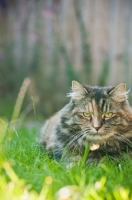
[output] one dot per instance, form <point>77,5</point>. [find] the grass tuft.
<point>28,173</point>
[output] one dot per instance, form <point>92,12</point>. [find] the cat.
<point>97,117</point>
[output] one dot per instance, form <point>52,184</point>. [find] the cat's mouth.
<point>94,137</point>
<point>98,136</point>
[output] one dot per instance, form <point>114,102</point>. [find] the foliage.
<point>53,42</point>
<point>32,46</point>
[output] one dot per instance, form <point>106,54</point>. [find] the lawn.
<point>26,172</point>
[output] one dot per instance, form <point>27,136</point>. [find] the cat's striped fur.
<point>69,131</point>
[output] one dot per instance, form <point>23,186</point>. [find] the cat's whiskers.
<point>106,128</point>
<point>71,138</point>
<point>86,131</point>
<point>74,143</point>
<point>74,140</point>
<point>123,139</point>
<point>63,145</point>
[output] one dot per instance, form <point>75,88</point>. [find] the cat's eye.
<point>87,114</point>
<point>108,115</point>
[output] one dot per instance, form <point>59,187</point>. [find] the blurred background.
<point>56,41</point>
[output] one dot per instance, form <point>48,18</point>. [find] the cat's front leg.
<point>94,157</point>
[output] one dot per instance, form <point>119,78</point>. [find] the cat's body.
<point>97,117</point>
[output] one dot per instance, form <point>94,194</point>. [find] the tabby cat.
<point>97,117</point>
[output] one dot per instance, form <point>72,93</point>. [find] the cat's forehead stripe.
<point>108,107</point>
<point>95,109</point>
<point>105,107</point>
<point>90,107</point>
<point>102,103</point>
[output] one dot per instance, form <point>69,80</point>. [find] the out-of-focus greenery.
<point>26,53</point>
<point>52,43</point>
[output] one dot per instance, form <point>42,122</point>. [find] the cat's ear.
<point>119,93</point>
<point>78,91</point>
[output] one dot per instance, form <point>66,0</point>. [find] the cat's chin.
<point>98,136</point>
<point>94,137</point>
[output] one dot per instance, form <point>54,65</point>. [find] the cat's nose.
<point>97,127</point>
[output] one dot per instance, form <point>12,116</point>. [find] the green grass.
<point>26,172</point>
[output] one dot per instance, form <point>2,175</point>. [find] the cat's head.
<point>100,111</point>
